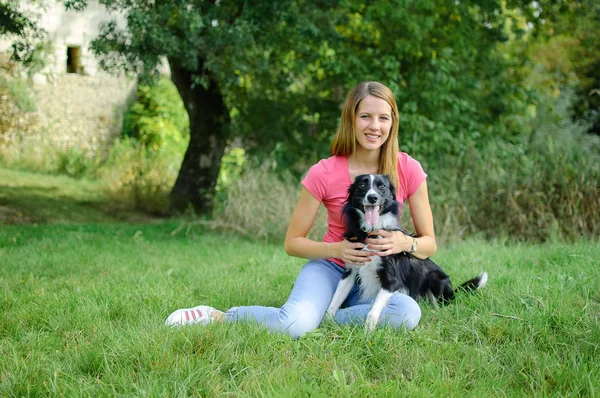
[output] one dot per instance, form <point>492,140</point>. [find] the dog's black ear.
<point>354,187</point>
<point>392,187</point>
<point>351,189</point>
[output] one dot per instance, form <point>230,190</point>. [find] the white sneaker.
<point>190,316</point>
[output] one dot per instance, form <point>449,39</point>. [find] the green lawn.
<point>83,307</point>
<point>27,197</point>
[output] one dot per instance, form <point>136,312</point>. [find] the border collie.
<point>371,206</point>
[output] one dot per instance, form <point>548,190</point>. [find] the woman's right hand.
<point>353,253</point>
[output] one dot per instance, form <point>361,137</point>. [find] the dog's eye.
<point>382,186</point>
<point>361,185</point>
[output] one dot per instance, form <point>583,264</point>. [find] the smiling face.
<point>372,123</point>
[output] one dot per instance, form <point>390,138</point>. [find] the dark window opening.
<point>74,60</point>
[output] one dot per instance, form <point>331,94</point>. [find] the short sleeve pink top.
<point>329,179</point>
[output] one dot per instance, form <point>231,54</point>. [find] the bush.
<point>143,166</point>
<point>142,176</point>
<point>157,118</point>
<point>76,163</point>
<point>19,91</point>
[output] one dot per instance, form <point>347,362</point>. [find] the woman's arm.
<point>420,210</point>
<point>396,241</point>
<point>298,245</point>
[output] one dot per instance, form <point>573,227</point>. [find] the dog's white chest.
<point>369,280</point>
<point>388,222</point>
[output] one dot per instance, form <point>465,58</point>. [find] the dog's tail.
<point>474,284</point>
<point>447,294</point>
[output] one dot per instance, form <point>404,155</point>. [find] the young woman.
<point>365,143</point>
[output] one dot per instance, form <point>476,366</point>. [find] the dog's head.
<point>372,194</point>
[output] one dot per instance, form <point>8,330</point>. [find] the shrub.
<point>143,166</point>
<point>157,118</point>
<point>76,163</point>
<point>142,176</point>
<point>19,91</point>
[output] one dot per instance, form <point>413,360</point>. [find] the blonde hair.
<point>344,141</point>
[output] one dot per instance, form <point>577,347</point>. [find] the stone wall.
<point>76,111</point>
<point>82,111</point>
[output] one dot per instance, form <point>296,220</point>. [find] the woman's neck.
<point>363,162</point>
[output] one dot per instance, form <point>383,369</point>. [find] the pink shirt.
<point>328,182</point>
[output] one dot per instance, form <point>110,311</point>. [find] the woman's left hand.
<point>388,242</point>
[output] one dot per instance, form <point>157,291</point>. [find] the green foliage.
<point>76,163</point>
<point>283,81</point>
<point>19,91</point>
<point>232,166</point>
<point>570,54</point>
<point>142,176</point>
<point>442,60</point>
<point>157,118</point>
<point>284,67</point>
<point>21,25</point>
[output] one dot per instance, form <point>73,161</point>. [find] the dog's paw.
<point>370,323</point>
<point>330,312</point>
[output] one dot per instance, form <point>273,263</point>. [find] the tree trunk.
<point>209,119</point>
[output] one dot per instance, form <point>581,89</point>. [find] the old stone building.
<point>77,104</point>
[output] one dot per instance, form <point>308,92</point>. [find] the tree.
<point>578,27</point>
<point>275,72</point>
<point>21,26</point>
<point>215,49</point>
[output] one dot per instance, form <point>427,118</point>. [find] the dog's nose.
<point>372,198</point>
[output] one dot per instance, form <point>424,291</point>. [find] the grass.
<point>33,198</point>
<point>83,306</point>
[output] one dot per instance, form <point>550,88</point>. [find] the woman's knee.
<point>403,312</point>
<point>301,319</point>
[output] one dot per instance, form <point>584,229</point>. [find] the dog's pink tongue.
<point>372,214</point>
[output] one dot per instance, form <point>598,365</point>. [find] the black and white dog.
<point>372,206</point>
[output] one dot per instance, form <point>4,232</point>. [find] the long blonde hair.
<point>344,141</point>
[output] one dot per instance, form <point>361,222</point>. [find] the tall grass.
<point>545,188</point>
<point>259,204</point>
<point>524,197</point>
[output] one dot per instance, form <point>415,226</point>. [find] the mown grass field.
<point>83,306</point>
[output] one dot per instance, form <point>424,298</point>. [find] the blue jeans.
<point>310,298</point>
